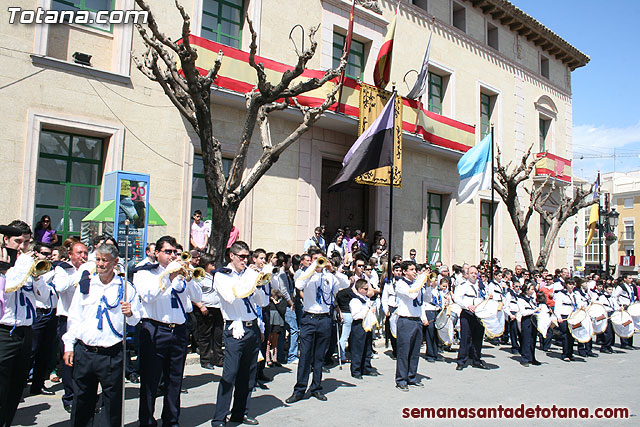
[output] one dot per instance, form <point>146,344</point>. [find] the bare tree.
<point>191,92</point>
<point>508,180</point>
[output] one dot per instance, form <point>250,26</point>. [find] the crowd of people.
<point>261,309</point>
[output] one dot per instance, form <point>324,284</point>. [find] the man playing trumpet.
<point>93,342</point>
<point>320,286</point>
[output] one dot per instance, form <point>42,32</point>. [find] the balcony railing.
<point>553,166</point>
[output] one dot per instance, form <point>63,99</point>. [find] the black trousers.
<point>409,335</point>
<point>360,342</point>
<point>15,358</point>
<point>431,335</point>
<point>239,372</point>
<point>332,346</point>
<point>44,338</point>
<point>514,334</point>
<point>567,338</point>
<point>387,333</point>
<point>607,336</point>
<point>67,371</point>
<point>91,368</point>
<point>585,347</point>
<point>529,333</point>
<point>315,331</point>
<point>210,332</point>
<point>471,334</point>
<point>545,343</point>
<point>266,319</point>
<point>626,342</point>
<point>163,351</point>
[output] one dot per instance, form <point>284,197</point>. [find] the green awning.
<point>154,218</point>
<point>106,212</point>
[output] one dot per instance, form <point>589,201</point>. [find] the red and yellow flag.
<point>382,69</point>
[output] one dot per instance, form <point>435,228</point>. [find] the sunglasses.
<point>243,256</point>
<point>46,253</point>
<point>360,265</point>
<point>170,251</point>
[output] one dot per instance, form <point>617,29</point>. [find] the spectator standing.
<point>44,233</point>
<point>198,232</point>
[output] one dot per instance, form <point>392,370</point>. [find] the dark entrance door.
<point>346,208</point>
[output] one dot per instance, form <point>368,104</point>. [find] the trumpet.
<point>185,256</point>
<point>321,262</point>
<point>198,274</point>
<point>263,279</point>
<point>433,276</point>
<point>27,267</point>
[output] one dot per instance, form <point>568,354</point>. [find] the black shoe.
<point>431,360</point>
<point>582,354</point>
<point>536,363</point>
<point>525,364</point>
<point>372,374</point>
<point>326,370</point>
<point>245,420</point>
<point>439,358</point>
<point>393,357</point>
<point>459,367</point>
<point>184,391</point>
<point>573,359</point>
<point>134,378</point>
<point>606,350</point>
<point>592,354</point>
<point>67,408</point>
<point>402,387</point>
<point>358,377</point>
<point>480,365</point>
<point>262,377</point>
<point>319,395</point>
<point>294,398</point>
<point>217,424</point>
<point>417,384</point>
<point>43,391</point>
<point>207,366</point>
<point>515,351</point>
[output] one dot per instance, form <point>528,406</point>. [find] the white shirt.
<point>333,246</point>
<point>389,297</point>
<point>324,284</point>
<point>63,281</point>
<point>100,307</point>
<point>157,304</point>
<point>526,305</point>
<point>585,299</point>
<point>359,307</point>
<point>16,308</point>
<point>467,294</point>
<point>232,307</point>
<point>210,297</point>
<point>410,299</point>
<point>565,303</point>
<point>52,300</point>
<point>623,294</point>
<point>609,302</point>
<point>431,299</point>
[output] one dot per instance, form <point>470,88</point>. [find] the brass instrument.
<point>118,270</point>
<point>21,273</point>
<point>198,274</point>
<point>433,276</point>
<point>321,262</point>
<point>185,256</point>
<point>263,279</point>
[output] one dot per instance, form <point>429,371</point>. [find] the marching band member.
<point>625,295</point>
<point>164,335</point>
<point>389,301</point>
<point>410,292</point>
<point>527,307</point>
<point>360,306</point>
<point>565,305</point>
<point>584,297</point>
<point>610,305</point>
<point>319,286</point>
<point>64,281</point>
<point>15,323</point>
<point>432,305</point>
<point>512,309</point>
<point>242,336</point>
<point>468,295</point>
<point>93,342</point>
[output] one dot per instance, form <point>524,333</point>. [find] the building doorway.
<point>346,208</point>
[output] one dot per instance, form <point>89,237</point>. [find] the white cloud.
<point>597,137</point>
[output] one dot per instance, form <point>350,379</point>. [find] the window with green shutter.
<point>222,21</point>
<point>355,62</point>
<point>435,93</point>
<point>434,228</point>
<point>199,198</point>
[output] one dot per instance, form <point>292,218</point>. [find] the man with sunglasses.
<point>547,288</point>
<point>242,336</point>
<point>164,335</point>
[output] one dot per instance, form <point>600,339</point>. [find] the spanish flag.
<point>594,215</point>
<point>382,69</point>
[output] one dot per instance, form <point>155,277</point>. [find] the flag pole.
<point>345,52</point>
<point>492,202</point>
<point>124,323</point>
<point>389,253</point>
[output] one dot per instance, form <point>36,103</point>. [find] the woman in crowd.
<point>44,233</point>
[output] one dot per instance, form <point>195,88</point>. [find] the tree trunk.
<point>221,224</point>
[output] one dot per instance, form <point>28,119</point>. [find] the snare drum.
<point>634,311</point>
<point>622,323</point>
<point>492,317</point>
<point>580,325</point>
<point>598,315</point>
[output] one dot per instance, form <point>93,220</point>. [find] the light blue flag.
<point>475,170</point>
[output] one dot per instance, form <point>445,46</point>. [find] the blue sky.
<point>606,92</point>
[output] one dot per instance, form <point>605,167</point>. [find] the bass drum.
<point>622,324</point>
<point>492,317</point>
<point>598,315</point>
<point>543,321</point>
<point>634,312</point>
<point>580,325</point>
<point>446,333</point>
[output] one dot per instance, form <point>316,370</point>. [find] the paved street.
<point>608,381</point>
